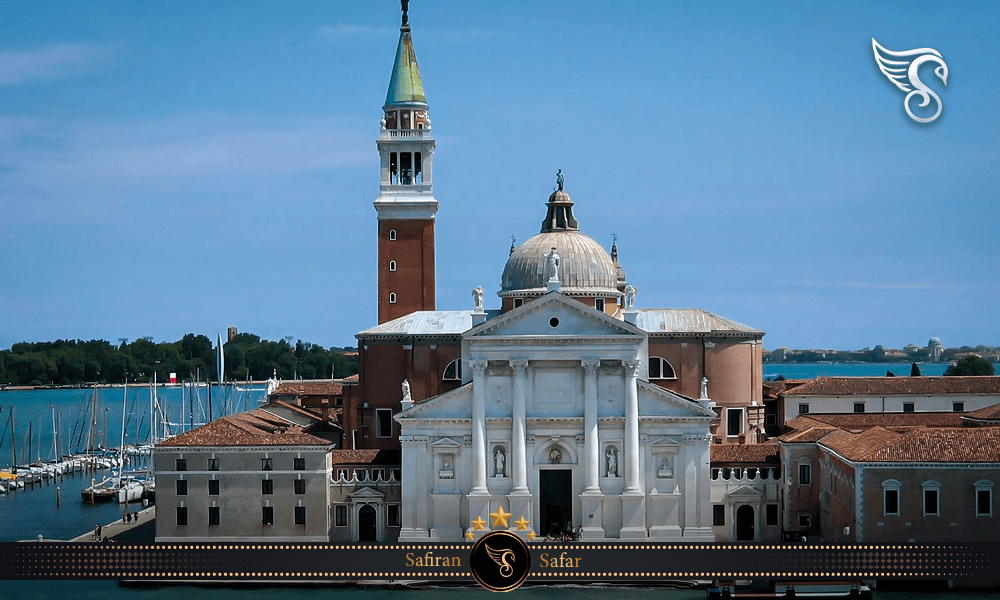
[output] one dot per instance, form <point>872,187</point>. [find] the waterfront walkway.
<point>119,529</point>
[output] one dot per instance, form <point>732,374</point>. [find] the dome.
<point>934,341</point>
<point>585,267</point>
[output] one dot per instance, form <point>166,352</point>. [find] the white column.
<point>478,427</point>
<point>593,443</point>
<point>518,449</point>
<point>633,483</point>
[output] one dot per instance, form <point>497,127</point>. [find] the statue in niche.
<point>630,292</point>
<point>477,295</point>
<point>555,455</point>
<point>704,388</point>
<point>665,470</point>
<point>612,456</point>
<point>446,471</point>
<point>552,265</point>
<point>406,391</point>
<point>499,458</point>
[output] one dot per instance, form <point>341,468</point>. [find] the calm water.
<point>809,370</point>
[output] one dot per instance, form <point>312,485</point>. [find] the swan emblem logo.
<point>500,557</point>
<point>902,70</point>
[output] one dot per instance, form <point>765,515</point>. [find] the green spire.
<point>405,86</point>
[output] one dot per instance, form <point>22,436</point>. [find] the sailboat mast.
<point>55,434</point>
<point>121,449</point>
<point>13,437</point>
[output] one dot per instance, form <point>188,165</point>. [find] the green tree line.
<point>69,362</point>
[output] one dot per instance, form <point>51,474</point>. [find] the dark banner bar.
<point>579,562</point>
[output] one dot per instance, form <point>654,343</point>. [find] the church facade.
<point>569,407</point>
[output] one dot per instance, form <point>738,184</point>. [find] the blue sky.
<point>174,167</point>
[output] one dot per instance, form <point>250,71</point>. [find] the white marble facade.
<point>556,423</point>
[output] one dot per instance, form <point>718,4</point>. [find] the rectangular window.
<point>804,521</point>
<point>417,168</point>
<point>908,407</point>
<point>771,514</point>
<point>803,409</point>
<point>182,515</point>
<point>805,474</point>
<point>213,515</point>
<point>342,474</point>
<point>181,464</point>
<point>718,514</point>
<point>299,464</point>
<point>182,487</point>
<point>984,503</point>
<point>734,421</point>
<point>770,419</point>
<point>300,515</point>
<point>392,515</point>
<point>931,502</point>
<point>266,464</point>
<point>396,475</point>
<point>213,464</point>
<point>393,172</point>
<point>518,302</point>
<point>300,486</point>
<point>859,407</point>
<point>361,474</point>
<point>378,474</point>
<point>958,406</point>
<point>266,486</point>
<point>383,422</point>
<point>599,304</point>
<point>213,487</point>
<point>267,515</point>
<point>405,168</point>
<point>891,502</point>
<point>340,518</point>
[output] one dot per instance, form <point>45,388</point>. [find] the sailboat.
<point>97,492</point>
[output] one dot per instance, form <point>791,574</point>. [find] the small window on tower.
<point>393,169</point>
<point>405,168</point>
<point>599,304</point>
<point>406,119</point>
<point>392,297</point>
<point>390,119</point>
<point>392,235</point>
<point>392,265</point>
<point>418,175</point>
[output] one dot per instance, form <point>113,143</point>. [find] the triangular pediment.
<point>554,314</point>
<point>744,492</point>
<point>453,404</point>
<point>366,493</point>
<point>446,444</point>
<point>664,443</point>
<point>654,400</point>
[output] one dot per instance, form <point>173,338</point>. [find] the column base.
<point>520,506</point>
<point>633,517</point>
<point>411,533</point>
<point>447,527</point>
<point>591,521</point>
<point>479,507</point>
<point>699,534</point>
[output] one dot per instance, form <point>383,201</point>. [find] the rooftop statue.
<point>552,265</point>
<point>560,179</point>
<point>630,292</point>
<point>477,295</point>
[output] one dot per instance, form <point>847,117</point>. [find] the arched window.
<point>392,265</point>
<point>392,297</point>
<point>392,235</point>
<point>659,368</point>
<point>453,372</point>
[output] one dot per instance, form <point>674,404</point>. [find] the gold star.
<point>468,535</point>
<point>477,525</point>
<point>499,517</point>
<point>531,535</point>
<point>522,524</point>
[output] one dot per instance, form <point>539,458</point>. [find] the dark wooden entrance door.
<point>744,523</point>
<point>556,500</point>
<point>367,528</point>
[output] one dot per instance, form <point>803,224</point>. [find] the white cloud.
<point>50,62</point>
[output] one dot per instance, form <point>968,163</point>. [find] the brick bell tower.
<point>406,206</point>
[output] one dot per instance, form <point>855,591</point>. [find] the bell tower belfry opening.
<point>406,206</point>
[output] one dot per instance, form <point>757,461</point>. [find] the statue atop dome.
<point>560,180</point>
<point>552,265</point>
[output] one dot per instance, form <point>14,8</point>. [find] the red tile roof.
<point>858,446</point>
<point>367,457</point>
<point>309,388</point>
<point>893,386</point>
<point>745,453</point>
<point>989,413</point>
<point>868,420</point>
<point>244,430</point>
<point>807,435</point>
<point>924,445</point>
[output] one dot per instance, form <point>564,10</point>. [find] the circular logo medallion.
<point>500,561</point>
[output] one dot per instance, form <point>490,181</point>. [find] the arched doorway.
<point>367,527</point>
<point>744,523</point>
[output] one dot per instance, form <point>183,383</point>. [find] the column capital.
<point>590,365</point>
<point>478,367</point>
<point>631,367</point>
<point>412,440</point>
<point>520,366</point>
